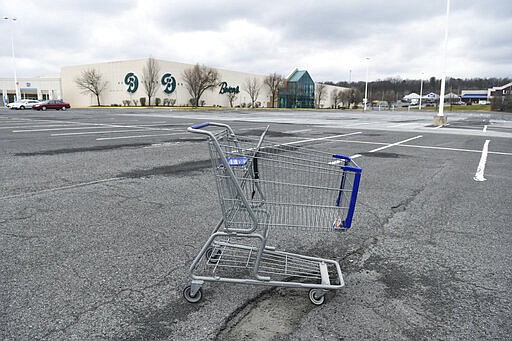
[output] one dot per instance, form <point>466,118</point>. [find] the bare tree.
<point>231,98</point>
<point>150,78</point>
<point>337,97</point>
<point>198,79</point>
<point>320,93</point>
<point>91,81</point>
<point>273,81</point>
<point>252,87</point>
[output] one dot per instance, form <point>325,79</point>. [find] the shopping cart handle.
<point>200,125</point>
<point>342,157</point>
<point>197,128</point>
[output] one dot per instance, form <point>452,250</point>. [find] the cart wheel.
<point>213,258</point>
<point>316,296</point>
<point>192,299</point>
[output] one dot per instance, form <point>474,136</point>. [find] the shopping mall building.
<point>124,86</point>
<point>41,88</point>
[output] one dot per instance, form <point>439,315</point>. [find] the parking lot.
<point>103,210</point>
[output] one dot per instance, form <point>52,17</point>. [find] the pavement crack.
<point>274,314</point>
<point>20,236</point>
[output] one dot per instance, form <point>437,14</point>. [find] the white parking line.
<point>31,125</point>
<point>97,126</point>
<point>63,128</point>
<point>320,138</point>
<point>402,124</point>
<point>136,136</point>
<point>394,144</point>
<point>425,147</point>
<point>479,175</point>
<point>99,132</point>
<point>361,124</point>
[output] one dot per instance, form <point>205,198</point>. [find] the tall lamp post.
<point>440,119</point>
<point>421,90</point>
<point>16,89</point>
<point>366,85</point>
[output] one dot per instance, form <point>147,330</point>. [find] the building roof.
<point>412,95</point>
<point>451,95</point>
<point>477,96</point>
<point>297,75</point>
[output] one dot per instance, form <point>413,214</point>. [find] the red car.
<point>56,104</point>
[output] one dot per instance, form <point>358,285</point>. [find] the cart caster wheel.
<point>192,299</point>
<point>316,296</point>
<point>213,258</point>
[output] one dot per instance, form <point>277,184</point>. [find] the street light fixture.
<point>366,85</point>
<point>421,90</point>
<point>439,119</point>
<point>16,89</point>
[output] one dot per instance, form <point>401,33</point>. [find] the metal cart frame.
<point>265,186</point>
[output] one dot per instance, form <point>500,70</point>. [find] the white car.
<point>22,104</point>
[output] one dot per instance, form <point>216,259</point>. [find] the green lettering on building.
<point>132,81</point>
<point>224,88</point>
<point>169,83</point>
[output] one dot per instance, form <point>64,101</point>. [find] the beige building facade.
<point>40,88</point>
<point>124,87</point>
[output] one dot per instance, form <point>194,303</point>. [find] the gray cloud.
<point>329,37</point>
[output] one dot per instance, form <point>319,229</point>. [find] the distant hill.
<point>392,89</point>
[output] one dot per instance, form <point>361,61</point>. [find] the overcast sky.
<point>329,38</point>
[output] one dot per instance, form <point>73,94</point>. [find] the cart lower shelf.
<point>224,261</point>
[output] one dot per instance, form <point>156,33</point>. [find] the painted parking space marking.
<point>479,175</point>
<point>320,138</point>
<point>385,145</point>
<point>137,136</point>
<point>99,132</point>
<point>64,128</point>
<point>402,124</point>
<point>31,125</point>
<point>426,147</point>
<point>394,144</point>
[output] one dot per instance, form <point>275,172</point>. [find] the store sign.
<point>224,88</point>
<point>169,83</point>
<point>132,81</point>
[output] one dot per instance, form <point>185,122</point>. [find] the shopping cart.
<point>264,186</point>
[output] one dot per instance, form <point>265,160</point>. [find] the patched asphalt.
<point>97,236</point>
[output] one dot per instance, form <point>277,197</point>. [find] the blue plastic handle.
<point>200,125</point>
<point>342,157</point>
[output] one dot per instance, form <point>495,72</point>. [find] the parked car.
<point>56,104</point>
<point>22,104</point>
<point>459,103</point>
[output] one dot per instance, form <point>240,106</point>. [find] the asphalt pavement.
<point>103,210</point>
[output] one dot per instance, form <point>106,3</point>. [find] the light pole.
<point>366,85</point>
<point>440,119</point>
<point>421,90</point>
<point>17,91</point>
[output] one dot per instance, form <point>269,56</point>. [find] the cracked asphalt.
<point>97,235</point>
